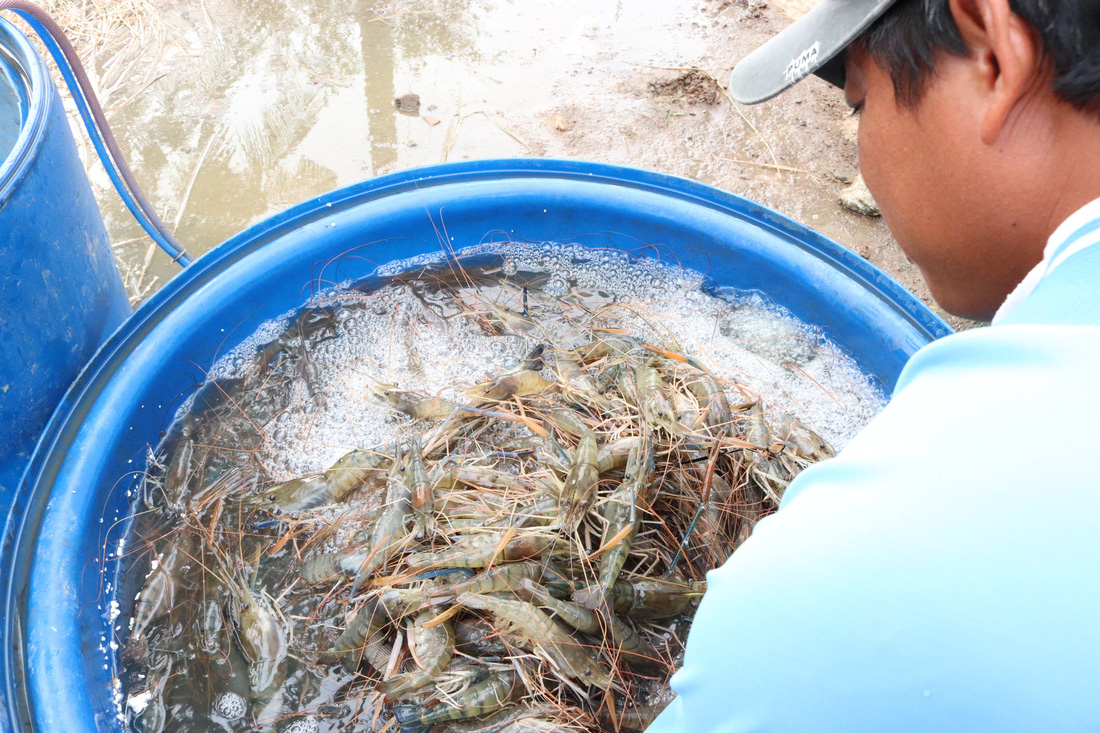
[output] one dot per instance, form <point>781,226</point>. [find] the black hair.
<point>906,39</point>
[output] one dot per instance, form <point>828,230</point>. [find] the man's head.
<point>979,130</point>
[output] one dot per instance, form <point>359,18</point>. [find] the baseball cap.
<point>810,45</point>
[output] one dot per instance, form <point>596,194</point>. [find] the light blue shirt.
<point>943,572</point>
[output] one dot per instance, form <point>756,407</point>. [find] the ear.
<point>1008,57</point>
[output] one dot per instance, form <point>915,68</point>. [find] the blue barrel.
<point>60,291</point>
<point>59,623</point>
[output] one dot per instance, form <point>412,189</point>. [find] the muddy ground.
<point>244,107</point>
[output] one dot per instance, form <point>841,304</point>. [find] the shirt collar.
<point>1080,230</point>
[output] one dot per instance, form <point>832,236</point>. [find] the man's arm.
<point>941,573</point>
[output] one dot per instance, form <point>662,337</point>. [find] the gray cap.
<point>810,45</point>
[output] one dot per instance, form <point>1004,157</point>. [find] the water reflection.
<point>269,102</point>
<point>378,65</point>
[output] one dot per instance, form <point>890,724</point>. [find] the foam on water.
<point>396,335</point>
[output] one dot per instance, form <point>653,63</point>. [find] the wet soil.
<point>259,104</point>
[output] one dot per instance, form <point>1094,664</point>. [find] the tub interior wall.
<point>11,106</point>
<point>15,99</point>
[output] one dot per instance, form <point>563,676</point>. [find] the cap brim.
<point>811,45</point>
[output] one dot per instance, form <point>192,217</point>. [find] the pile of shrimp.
<point>524,555</point>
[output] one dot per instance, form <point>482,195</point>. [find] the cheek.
<point>901,177</point>
<point>884,167</point>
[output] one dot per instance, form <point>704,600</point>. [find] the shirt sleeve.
<point>939,574</point>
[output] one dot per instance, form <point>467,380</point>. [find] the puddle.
<point>251,107</point>
<point>266,103</point>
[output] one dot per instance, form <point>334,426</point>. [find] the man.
<point>942,573</point>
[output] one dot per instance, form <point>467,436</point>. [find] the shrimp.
<point>459,421</point>
<point>313,326</point>
<point>362,638</point>
<point>389,529</point>
<point>352,470</point>
<point>540,512</point>
<point>573,614</point>
<point>480,699</point>
<point>212,628</point>
<point>535,630</point>
<point>635,717</point>
<point>686,409</point>
<point>413,361</point>
<point>496,580</point>
<point>635,649</point>
<point>565,420</point>
<point>329,566</point>
<point>805,443</point>
<point>504,719</point>
<point>298,494</point>
<point>615,454</point>
<point>647,599</point>
<point>580,482</point>
<point>716,408</point>
<point>477,637</point>
<point>227,681</point>
<point>397,603</point>
<point>211,632</point>
<point>158,596</point>
<point>484,477</point>
<point>621,514</point>
<point>514,384</point>
<point>479,551</point>
<point>262,634</point>
<point>769,472</point>
<point>758,432</point>
<point>423,493</point>
<point>356,468</point>
<point>711,520</point>
<point>621,375</point>
<point>226,484</point>
<point>578,385</point>
<point>461,674</point>
<point>603,348</point>
<point>181,472</point>
<point>431,648</point>
<point>417,404</point>
<point>653,399</point>
<point>155,714</point>
<point>509,321</point>
<point>362,634</point>
<point>535,359</point>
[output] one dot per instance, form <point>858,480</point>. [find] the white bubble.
<point>230,706</point>
<point>303,725</point>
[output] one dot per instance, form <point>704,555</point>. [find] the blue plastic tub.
<point>58,631</point>
<point>60,291</point>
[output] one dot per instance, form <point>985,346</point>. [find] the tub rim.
<point>35,105</point>
<point>22,536</point>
